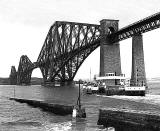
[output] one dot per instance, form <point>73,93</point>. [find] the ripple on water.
<point>16,116</point>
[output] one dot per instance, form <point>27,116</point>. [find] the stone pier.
<point>110,61</point>
<point>138,76</point>
<point>55,108</point>
<point>126,120</point>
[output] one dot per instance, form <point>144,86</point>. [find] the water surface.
<point>16,116</point>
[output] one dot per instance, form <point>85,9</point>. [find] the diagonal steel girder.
<point>147,24</point>
<point>24,70</point>
<point>73,61</point>
<point>66,46</point>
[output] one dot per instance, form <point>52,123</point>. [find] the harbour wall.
<point>58,109</point>
<point>125,120</point>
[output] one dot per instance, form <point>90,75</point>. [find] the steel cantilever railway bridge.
<point>68,44</point>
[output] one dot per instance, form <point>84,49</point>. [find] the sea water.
<point>16,116</point>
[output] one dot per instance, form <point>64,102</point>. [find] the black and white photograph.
<point>79,65</point>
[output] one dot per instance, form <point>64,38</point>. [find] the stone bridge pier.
<point>138,75</point>
<point>110,61</point>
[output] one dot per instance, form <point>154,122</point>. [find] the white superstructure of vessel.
<point>119,82</point>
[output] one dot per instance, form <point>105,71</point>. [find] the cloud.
<point>45,12</point>
<point>24,25</point>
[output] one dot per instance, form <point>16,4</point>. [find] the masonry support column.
<point>138,75</point>
<point>13,76</point>
<point>110,61</point>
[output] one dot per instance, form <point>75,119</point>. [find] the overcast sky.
<point>24,25</point>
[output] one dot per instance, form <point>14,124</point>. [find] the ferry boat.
<point>134,90</point>
<point>112,84</point>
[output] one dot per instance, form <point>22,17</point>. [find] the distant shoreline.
<point>34,81</point>
<point>38,81</point>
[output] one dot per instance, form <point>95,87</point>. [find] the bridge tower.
<point>13,76</point>
<point>110,61</point>
<point>138,75</point>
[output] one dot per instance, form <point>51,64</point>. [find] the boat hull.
<point>116,90</point>
<point>129,91</point>
<point>135,93</point>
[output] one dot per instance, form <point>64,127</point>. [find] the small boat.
<point>78,111</point>
<point>94,88</point>
<point>90,88</point>
<point>110,129</point>
<point>84,85</point>
<point>87,88</point>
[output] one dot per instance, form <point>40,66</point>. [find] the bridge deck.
<point>147,24</point>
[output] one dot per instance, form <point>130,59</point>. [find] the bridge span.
<point>68,44</point>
